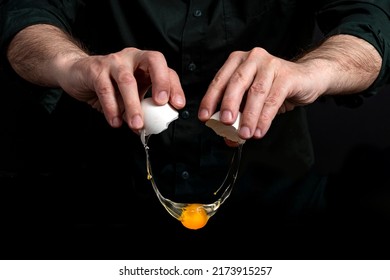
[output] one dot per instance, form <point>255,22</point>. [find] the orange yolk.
<point>194,216</point>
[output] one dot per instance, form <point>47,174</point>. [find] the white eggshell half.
<point>228,131</point>
<point>157,117</point>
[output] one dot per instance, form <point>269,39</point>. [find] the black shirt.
<point>196,38</point>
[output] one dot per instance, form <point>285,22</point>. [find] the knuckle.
<point>250,115</point>
<point>217,83</point>
<point>103,88</point>
<point>271,102</point>
<point>240,78</point>
<point>124,75</point>
<point>236,55</point>
<point>153,56</point>
<point>257,89</point>
<point>265,117</point>
<point>258,51</point>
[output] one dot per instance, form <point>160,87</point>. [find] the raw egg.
<point>194,216</point>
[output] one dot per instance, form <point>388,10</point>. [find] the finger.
<point>235,90</point>
<point>240,82</point>
<point>176,96</point>
<point>286,106</point>
<point>127,86</point>
<point>256,96</point>
<point>105,92</point>
<point>218,85</point>
<point>273,102</point>
<point>154,64</point>
<point>95,103</point>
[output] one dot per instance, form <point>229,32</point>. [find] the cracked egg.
<point>229,132</point>
<point>156,117</point>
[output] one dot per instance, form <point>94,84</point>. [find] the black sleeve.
<point>369,20</point>
<point>18,14</point>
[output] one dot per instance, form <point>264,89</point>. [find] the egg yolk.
<point>194,216</point>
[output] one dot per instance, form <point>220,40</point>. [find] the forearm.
<point>343,64</point>
<point>41,52</point>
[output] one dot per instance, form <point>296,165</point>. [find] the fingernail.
<point>136,122</point>
<point>245,132</point>
<point>203,114</point>
<point>226,116</point>
<point>179,100</point>
<point>116,122</point>
<point>257,133</point>
<point>162,96</point>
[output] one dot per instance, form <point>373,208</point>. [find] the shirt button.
<point>192,67</point>
<point>197,13</point>
<point>185,114</point>
<point>185,175</point>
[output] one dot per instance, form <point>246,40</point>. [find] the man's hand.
<point>262,85</point>
<point>113,84</point>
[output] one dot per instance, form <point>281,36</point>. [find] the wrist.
<point>343,64</point>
